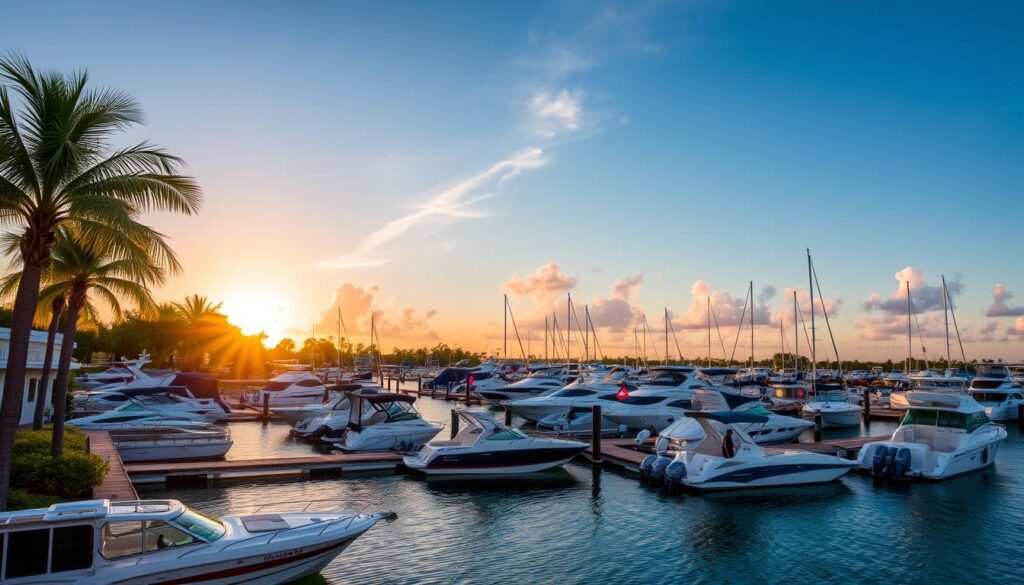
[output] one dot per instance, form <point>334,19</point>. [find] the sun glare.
<point>254,310</point>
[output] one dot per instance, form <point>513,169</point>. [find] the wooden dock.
<point>311,467</point>
<point>116,484</point>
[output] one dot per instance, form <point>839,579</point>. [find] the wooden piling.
<point>867,406</point>
<point>817,428</point>
<point>508,416</point>
<point>327,393</point>
<point>419,385</point>
<point>455,422</point>
<point>595,434</point>
<point>1020,417</point>
<point>266,408</point>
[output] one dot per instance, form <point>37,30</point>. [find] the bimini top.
<point>384,397</point>
<point>729,417</point>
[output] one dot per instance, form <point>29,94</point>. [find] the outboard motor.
<point>658,471</point>
<point>646,466</point>
<point>674,475</point>
<point>901,464</point>
<point>878,461</point>
<point>890,460</point>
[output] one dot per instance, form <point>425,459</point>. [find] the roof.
<point>729,418</point>
<point>943,401</point>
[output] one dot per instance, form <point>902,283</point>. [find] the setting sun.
<point>254,309</point>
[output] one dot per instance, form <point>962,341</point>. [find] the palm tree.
<point>81,272</point>
<point>56,308</point>
<point>202,324</point>
<point>58,168</point>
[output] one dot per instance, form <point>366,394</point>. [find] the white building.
<point>34,370</point>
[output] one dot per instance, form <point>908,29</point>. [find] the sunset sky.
<point>421,159</point>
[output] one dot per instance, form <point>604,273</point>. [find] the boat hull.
<point>131,452</point>
<point>782,475</point>
<point>493,462</point>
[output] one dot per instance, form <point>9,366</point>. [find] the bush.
<point>22,500</point>
<point>73,474</point>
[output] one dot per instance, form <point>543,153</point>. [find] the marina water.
<point>581,525</point>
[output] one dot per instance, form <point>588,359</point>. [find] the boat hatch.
<point>263,522</point>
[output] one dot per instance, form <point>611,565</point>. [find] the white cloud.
<point>553,113</point>
<point>453,203</point>
<point>999,308</point>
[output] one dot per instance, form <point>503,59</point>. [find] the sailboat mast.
<point>339,339</point>
<point>568,326</point>
<point>666,337</point>
<point>505,309</point>
<point>796,336</point>
<point>545,338</point>
<point>709,332</point>
<point>814,344</point>
<point>910,333</point>
<point>751,327</point>
<point>586,330</point>
<point>945,318</point>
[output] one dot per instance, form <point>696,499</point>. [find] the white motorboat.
<point>485,446</point>
<point>99,542</point>
<point>110,396</point>
<point>170,443</point>
<point>172,401</point>
<point>578,421</point>
<point>560,401</point>
<point>929,381</point>
<point>660,401</point>
<point>332,425</point>
<point>704,467</point>
<point>141,418</point>
<point>292,388</point>
<point>393,425</point>
<point>834,408</point>
<point>776,429</point>
<point>994,389</point>
<point>338,401</point>
<point>942,435</point>
<point>536,383</point>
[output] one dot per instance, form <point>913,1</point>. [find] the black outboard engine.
<point>878,461</point>
<point>901,463</point>
<point>674,475</point>
<point>890,461</point>
<point>658,471</point>
<point>646,466</point>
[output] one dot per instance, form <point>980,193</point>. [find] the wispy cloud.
<point>552,113</point>
<point>452,203</point>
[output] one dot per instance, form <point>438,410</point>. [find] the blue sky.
<point>434,155</point>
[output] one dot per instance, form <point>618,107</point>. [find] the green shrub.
<point>22,500</point>
<point>72,474</point>
<point>29,441</point>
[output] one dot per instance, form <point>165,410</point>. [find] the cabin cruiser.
<point>782,393</point>
<point>578,421</point>
<point>170,443</point>
<point>776,429</point>
<point>536,383</point>
<point>99,542</point>
<point>659,401</point>
<point>941,436</point>
<point>331,425</point>
<point>995,390</point>
<point>141,418</point>
<point>110,396</point>
<point>928,381</point>
<point>705,466</point>
<point>172,400</point>
<point>338,401</point>
<point>392,424</point>
<point>560,401</point>
<point>293,388</point>
<point>485,446</point>
<point>118,372</point>
<point>197,389</point>
<point>833,407</point>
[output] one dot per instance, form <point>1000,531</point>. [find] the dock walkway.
<point>311,466</point>
<point>116,485</point>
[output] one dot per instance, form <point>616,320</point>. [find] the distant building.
<point>34,370</point>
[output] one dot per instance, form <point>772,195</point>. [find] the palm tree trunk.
<point>14,380</point>
<point>60,383</point>
<point>56,309</point>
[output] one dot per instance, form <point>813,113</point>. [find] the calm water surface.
<point>580,525</point>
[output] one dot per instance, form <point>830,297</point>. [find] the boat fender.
<point>646,466</point>
<point>901,464</point>
<point>878,461</point>
<point>660,465</point>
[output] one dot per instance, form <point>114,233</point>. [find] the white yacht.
<point>942,435</point>
<point>331,425</point>
<point>393,425</point>
<point>162,400</point>
<point>124,419</point>
<point>560,401</point>
<point>338,401</point>
<point>99,542</point>
<point>578,421</point>
<point>110,396</point>
<point>995,390</point>
<point>834,407</point>
<point>536,383</point>
<point>170,443</point>
<point>705,467</point>
<point>293,388</point>
<point>776,429</point>
<point>929,381</point>
<point>659,401</point>
<point>485,446</point>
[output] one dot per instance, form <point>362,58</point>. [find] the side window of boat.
<point>976,420</point>
<point>121,539</point>
<point>27,553</point>
<point>684,404</point>
<point>161,535</point>
<point>308,383</point>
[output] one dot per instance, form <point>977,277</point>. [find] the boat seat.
<point>263,522</point>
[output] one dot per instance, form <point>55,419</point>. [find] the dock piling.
<point>266,408</point>
<point>1020,417</point>
<point>867,406</point>
<point>419,385</point>
<point>817,428</point>
<point>508,416</point>
<point>455,422</point>
<point>595,434</point>
<point>327,393</point>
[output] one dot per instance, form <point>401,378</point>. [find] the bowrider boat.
<point>99,542</point>
<point>941,436</point>
<point>337,402</point>
<point>996,391</point>
<point>123,419</point>
<point>384,422</point>
<point>704,467</point>
<point>485,446</point>
<point>834,408</point>
<point>170,443</point>
<point>293,388</point>
<point>776,429</point>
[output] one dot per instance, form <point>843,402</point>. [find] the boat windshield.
<point>507,434</point>
<point>203,526</point>
<point>643,400</point>
<point>945,418</point>
<point>830,397</point>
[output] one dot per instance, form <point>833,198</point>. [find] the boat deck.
<point>116,484</point>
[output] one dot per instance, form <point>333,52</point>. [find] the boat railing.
<point>323,526</point>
